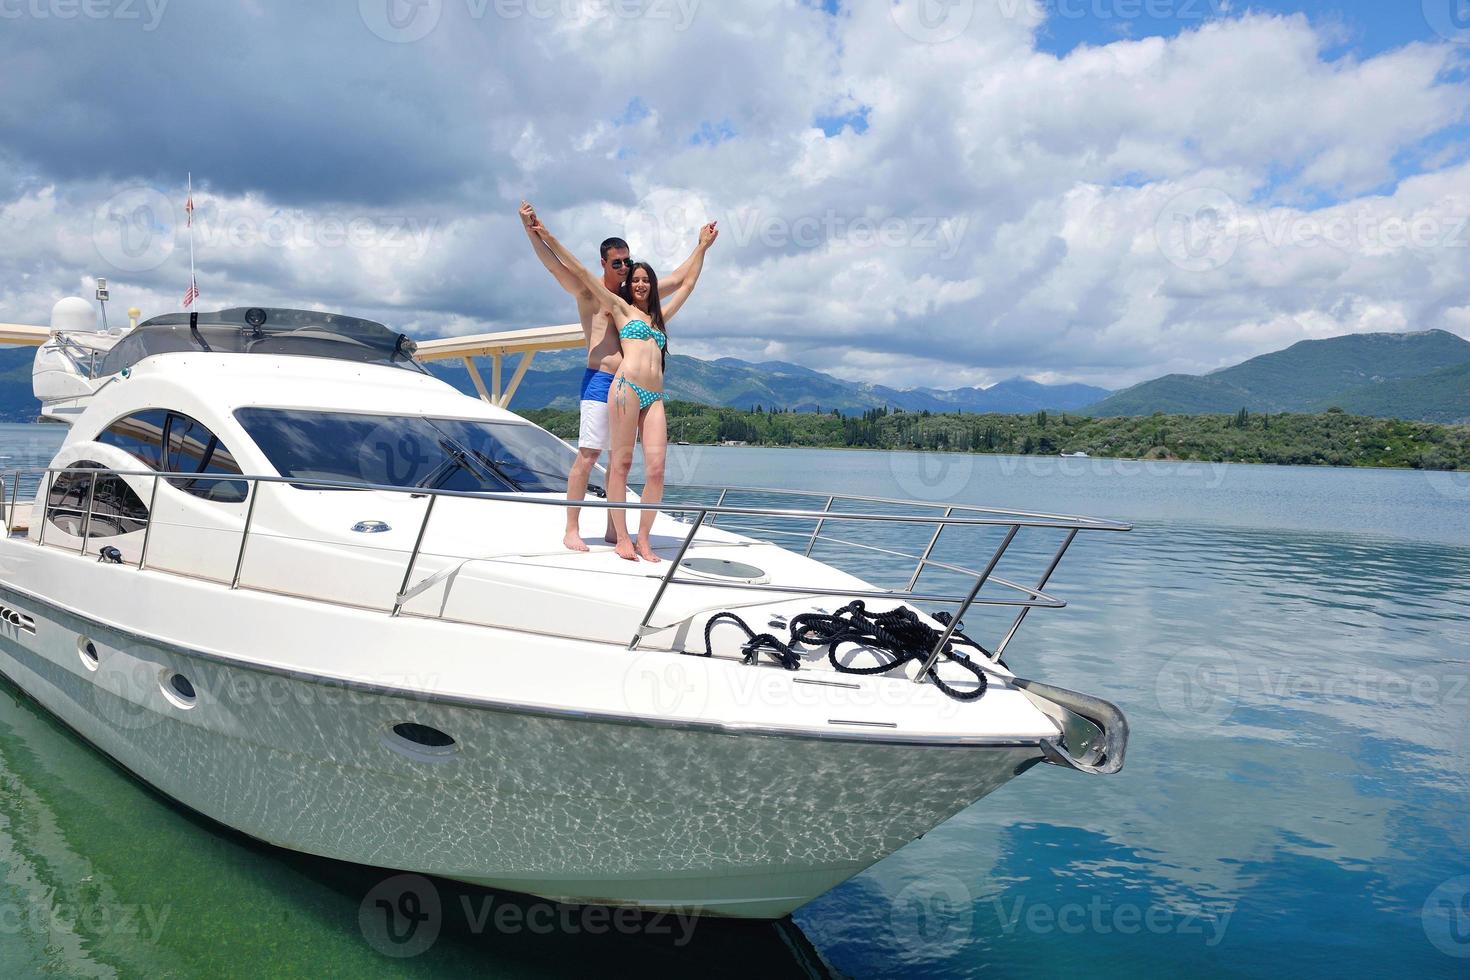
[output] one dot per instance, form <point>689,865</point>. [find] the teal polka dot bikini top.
<point>640,330</point>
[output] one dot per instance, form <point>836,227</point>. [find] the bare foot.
<point>574,541</point>
<point>625,549</point>
<point>611,537</point>
<point>647,552</point>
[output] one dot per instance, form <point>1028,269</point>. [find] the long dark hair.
<point>655,308</point>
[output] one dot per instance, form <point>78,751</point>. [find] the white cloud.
<point>1003,212</point>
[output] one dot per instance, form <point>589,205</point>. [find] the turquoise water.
<point>1292,647</point>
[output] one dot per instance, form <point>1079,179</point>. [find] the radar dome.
<point>73,314</point>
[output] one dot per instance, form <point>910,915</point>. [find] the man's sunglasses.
<point>621,264</point>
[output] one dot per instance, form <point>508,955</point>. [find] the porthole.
<point>421,743</point>
<point>87,650</point>
<point>178,689</point>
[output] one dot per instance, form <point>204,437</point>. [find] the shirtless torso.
<point>604,352</point>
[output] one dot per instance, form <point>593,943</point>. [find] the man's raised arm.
<point>548,258</point>
<point>671,282</point>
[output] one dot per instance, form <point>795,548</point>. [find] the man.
<point>604,356</point>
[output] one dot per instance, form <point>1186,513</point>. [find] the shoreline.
<point>1091,458</point>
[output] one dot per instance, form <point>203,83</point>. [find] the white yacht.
<point>295,582</point>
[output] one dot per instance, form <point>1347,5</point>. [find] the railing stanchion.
<point>14,501</point>
<point>719,503</point>
<point>245,535</point>
<point>818,529</point>
<point>414,558</point>
<point>45,499</point>
<point>668,577</point>
<point>954,623</point>
<point>919,568</point>
<point>1045,577</point>
<point>148,528</point>
<point>87,517</point>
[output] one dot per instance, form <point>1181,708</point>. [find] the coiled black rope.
<point>899,633</point>
<point>755,643</point>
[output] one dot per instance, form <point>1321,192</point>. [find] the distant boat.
<point>1075,456</point>
<point>683,443</point>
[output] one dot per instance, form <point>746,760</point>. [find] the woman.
<point>636,401</point>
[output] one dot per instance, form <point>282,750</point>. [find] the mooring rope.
<point>898,633</point>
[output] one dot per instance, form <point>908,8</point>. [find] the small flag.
<point>189,210</point>
<point>192,293</point>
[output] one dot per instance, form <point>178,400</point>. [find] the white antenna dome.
<point>73,314</point>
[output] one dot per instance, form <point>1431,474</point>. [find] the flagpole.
<point>193,291</point>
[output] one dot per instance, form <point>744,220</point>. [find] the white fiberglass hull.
<point>564,807</point>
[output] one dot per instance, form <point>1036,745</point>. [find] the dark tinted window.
<point>115,508</point>
<point>191,448</point>
<point>141,435</point>
<point>405,451</point>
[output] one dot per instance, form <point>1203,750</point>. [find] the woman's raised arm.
<point>692,269</point>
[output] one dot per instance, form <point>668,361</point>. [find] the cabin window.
<point>409,451</point>
<point>116,509</point>
<point>174,442</point>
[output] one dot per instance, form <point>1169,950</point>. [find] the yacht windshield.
<point>410,451</point>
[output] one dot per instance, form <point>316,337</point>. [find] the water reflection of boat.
<point>304,588</point>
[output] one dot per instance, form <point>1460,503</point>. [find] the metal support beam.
<point>495,364</point>
<point>1040,585</point>
<point>668,577</point>
<point>954,624</point>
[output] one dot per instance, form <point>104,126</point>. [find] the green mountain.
<point>554,380</point>
<point>1381,374</point>
<point>1443,396</point>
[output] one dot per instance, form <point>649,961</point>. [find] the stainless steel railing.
<point>697,515</point>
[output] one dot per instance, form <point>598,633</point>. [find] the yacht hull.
<point>576,809</point>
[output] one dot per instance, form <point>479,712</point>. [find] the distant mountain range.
<point>554,380</point>
<point>1423,376</point>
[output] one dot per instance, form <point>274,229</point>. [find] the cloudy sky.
<point>929,192</point>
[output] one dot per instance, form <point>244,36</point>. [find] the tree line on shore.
<point>1331,438</point>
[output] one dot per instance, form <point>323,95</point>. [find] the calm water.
<point>1292,647</point>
